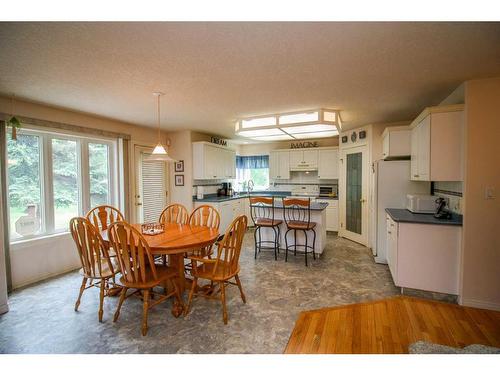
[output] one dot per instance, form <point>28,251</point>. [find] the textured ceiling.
<point>213,73</point>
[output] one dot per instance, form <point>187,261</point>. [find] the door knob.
<point>362,200</point>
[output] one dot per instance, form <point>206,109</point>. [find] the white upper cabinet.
<point>303,160</point>
<point>328,164</point>
<point>437,144</point>
<point>279,165</point>
<point>213,162</point>
<point>396,142</point>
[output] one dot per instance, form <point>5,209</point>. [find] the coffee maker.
<point>226,190</point>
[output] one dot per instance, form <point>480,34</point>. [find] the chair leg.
<point>255,240</point>
<point>120,303</point>
<point>279,238</point>
<point>82,288</point>
<point>314,243</point>
<point>145,308</point>
<point>191,293</point>
<point>101,299</point>
<point>295,243</point>
<point>275,244</point>
<point>305,234</point>
<point>238,282</point>
<point>286,246</point>
<point>223,299</point>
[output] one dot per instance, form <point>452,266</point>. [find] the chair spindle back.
<point>175,213</point>
<point>297,209</point>
<point>206,216</point>
<point>229,249</point>
<point>102,216</point>
<point>261,208</point>
<point>91,248</point>
<point>133,253</point>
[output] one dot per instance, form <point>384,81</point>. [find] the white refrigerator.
<point>392,183</point>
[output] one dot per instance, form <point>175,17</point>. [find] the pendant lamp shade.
<point>159,153</point>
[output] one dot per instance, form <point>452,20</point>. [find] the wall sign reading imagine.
<point>304,144</point>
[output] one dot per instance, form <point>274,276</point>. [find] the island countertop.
<point>400,215</point>
<point>315,206</point>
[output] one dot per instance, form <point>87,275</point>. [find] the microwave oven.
<point>420,203</point>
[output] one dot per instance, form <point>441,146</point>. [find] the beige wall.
<point>43,112</point>
<point>480,284</point>
<point>265,147</point>
<point>181,149</point>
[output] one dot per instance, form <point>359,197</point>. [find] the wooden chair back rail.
<point>102,216</point>
<point>297,210</point>
<point>133,253</point>
<point>174,213</point>
<point>91,248</point>
<point>206,216</point>
<point>261,208</point>
<point>229,248</point>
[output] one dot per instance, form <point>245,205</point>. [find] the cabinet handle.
<point>389,232</point>
<point>416,175</point>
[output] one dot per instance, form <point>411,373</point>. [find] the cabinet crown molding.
<point>437,109</point>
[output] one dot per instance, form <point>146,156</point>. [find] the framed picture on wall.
<point>179,166</point>
<point>179,180</point>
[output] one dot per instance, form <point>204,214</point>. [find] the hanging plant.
<point>14,123</point>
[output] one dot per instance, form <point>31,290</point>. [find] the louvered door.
<point>151,187</point>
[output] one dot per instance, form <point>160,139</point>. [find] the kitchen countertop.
<point>404,216</point>
<point>277,204</point>
<point>214,198</point>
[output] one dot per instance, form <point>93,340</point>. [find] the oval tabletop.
<point>177,238</point>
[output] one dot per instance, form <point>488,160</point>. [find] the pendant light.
<point>159,153</point>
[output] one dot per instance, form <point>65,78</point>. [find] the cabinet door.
<point>212,165</point>
<point>226,215</point>
<point>310,158</point>
<point>424,148</point>
<point>328,164</point>
<point>296,159</point>
<point>414,154</point>
<point>385,146</point>
<point>274,165</point>
<point>284,165</point>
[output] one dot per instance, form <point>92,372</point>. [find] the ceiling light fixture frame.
<point>325,117</point>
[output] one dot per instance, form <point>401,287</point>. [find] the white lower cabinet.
<point>424,256</point>
<point>332,214</point>
<point>228,211</point>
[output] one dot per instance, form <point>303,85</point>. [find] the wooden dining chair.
<point>102,216</point>
<point>174,213</point>
<point>223,268</point>
<point>139,270</point>
<point>205,216</point>
<point>97,265</point>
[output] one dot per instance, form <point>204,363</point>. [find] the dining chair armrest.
<point>203,260</point>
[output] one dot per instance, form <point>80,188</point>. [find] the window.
<point>255,168</point>
<point>53,177</point>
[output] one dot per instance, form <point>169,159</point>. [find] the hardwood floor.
<point>390,325</point>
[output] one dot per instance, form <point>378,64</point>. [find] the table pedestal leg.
<point>177,261</point>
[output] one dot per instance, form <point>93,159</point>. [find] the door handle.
<point>138,204</point>
<point>362,200</point>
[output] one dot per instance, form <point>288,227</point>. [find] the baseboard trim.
<point>45,277</point>
<point>4,308</point>
<point>469,302</point>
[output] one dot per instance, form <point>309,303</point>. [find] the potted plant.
<point>14,123</point>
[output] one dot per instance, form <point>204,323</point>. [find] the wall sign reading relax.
<point>304,144</point>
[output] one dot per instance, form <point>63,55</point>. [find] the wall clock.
<point>353,137</point>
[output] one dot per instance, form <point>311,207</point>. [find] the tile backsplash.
<point>452,190</point>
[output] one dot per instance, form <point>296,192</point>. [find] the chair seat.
<point>162,272</point>
<point>264,222</point>
<point>105,270</point>
<point>301,225</point>
<point>206,271</point>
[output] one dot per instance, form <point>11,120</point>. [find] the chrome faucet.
<point>250,185</point>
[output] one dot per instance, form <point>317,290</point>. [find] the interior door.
<point>354,193</point>
<point>151,191</point>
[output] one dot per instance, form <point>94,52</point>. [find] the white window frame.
<point>83,176</point>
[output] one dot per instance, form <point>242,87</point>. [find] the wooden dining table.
<point>175,241</point>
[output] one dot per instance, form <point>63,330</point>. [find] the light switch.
<point>490,193</point>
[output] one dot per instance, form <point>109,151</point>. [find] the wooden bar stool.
<point>297,215</point>
<point>262,213</point>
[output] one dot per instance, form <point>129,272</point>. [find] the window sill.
<point>41,239</point>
